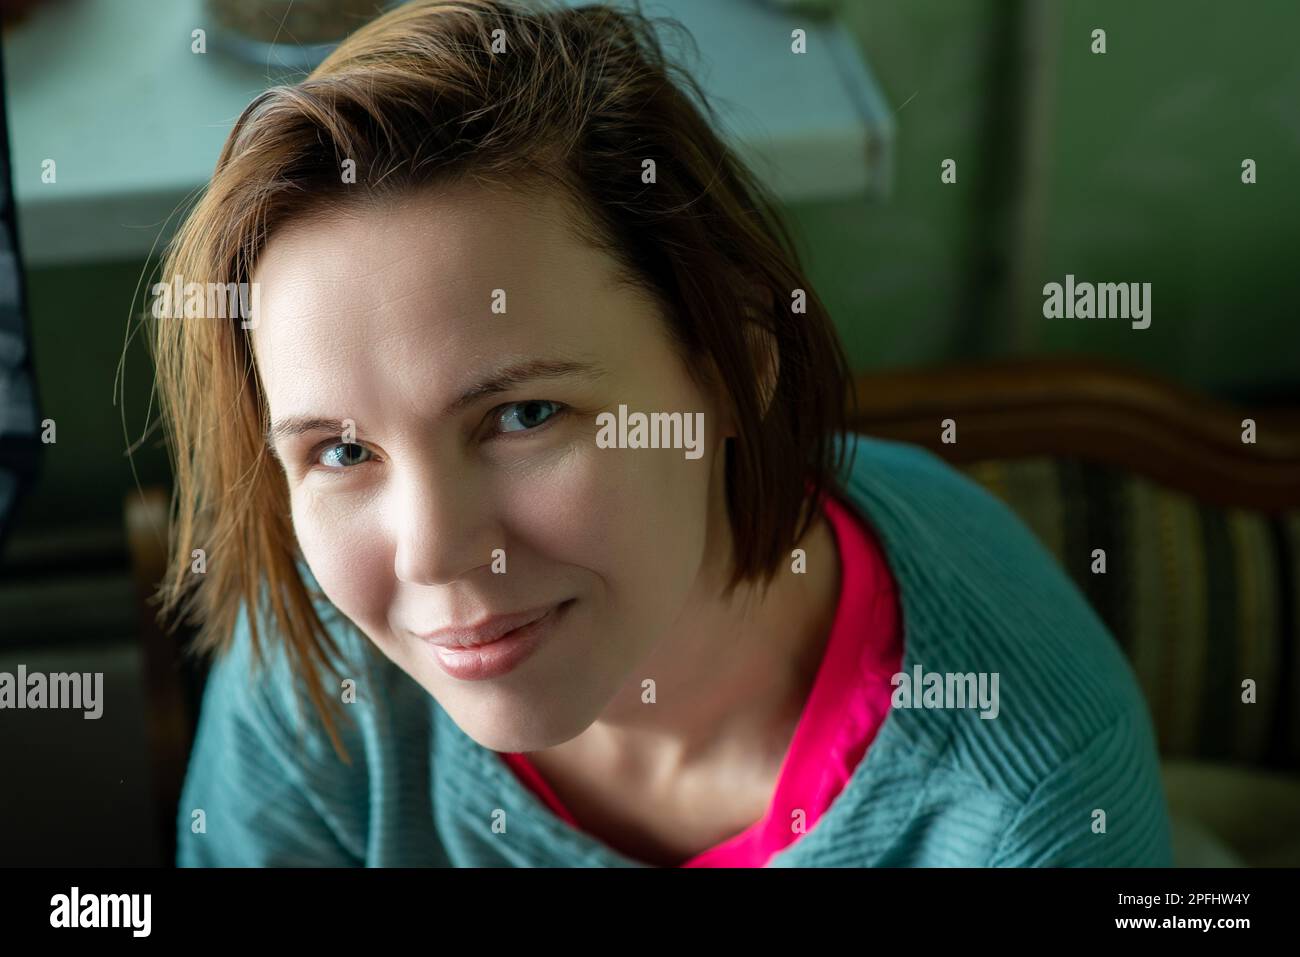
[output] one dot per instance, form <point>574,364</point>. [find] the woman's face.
<point>470,340</point>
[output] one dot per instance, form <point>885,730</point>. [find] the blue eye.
<point>526,415</point>
<point>347,458</point>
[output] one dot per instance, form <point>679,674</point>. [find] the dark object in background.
<point>19,418</point>
<point>12,11</point>
<point>294,34</point>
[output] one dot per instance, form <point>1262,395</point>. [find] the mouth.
<point>489,630</point>
<point>499,651</point>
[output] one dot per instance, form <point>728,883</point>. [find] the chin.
<point>506,737</point>
<point>506,727</point>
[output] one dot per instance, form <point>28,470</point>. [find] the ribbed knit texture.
<point>938,787</point>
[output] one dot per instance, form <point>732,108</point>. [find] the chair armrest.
<point>1093,410</point>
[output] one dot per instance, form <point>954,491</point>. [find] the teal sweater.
<point>937,787</point>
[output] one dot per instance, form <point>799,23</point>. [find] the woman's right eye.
<point>331,458</point>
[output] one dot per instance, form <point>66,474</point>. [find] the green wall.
<point>893,273</point>
<point>1145,184</point>
<point>1132,173</point>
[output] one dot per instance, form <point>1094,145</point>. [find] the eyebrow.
<point>502,380</point>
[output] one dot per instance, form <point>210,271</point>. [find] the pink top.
<point>848,703</point>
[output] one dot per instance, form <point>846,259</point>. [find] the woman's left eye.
<point>350,452</point>
<point>522,416</point>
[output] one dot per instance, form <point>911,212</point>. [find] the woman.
<point>531,459</point>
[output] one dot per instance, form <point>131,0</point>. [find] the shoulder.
<point>1104,806</point>
<point>982,599</point>
<point>956,527</point>
<point>259,686</point>
<point>963,551</point>
<point>889,477</point>
<point>263,769</point>
<point>264,688</point>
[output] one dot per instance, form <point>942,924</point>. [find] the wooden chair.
<point>1092,410</point>
<point>170,685</point>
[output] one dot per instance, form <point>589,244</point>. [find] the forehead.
<point>423,252</point>
<point>429,283</point>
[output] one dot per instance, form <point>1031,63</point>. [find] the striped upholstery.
<point>1199,596</point>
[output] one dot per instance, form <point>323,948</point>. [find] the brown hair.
<point>577,100</point>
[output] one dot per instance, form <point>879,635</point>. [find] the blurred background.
<point>1117,166</point>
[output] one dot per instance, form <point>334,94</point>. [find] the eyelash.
<point>495,415</point>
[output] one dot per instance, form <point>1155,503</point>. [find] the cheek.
<point>346,553</point>
<point>559,510</point>
<point>635,518</point>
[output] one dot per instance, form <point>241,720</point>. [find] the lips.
<point>485,632</point>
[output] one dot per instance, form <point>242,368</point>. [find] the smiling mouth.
<point>490,630</point>
<point>501,655</point>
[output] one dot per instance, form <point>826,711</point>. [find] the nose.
<point>441,524</point>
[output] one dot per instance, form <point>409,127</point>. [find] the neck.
<point>732,675</point>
